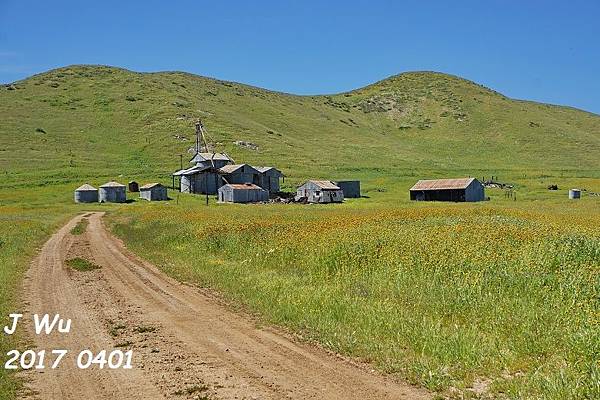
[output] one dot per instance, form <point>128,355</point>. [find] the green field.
<point>497,299</point>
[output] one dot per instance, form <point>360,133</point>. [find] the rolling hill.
<point>85,121</point>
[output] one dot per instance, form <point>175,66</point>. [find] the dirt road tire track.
<point>186,344</point>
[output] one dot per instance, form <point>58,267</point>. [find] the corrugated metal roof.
<point>86,187</point>
<point>325,185</point>
<point>190,171</point>
<point>150,185</point>
<point>442,184</point>
<point>244,186</point>
<point>112,184</point>
<point>210,156</point>
<point>229,169</point>
<point>262,170</point>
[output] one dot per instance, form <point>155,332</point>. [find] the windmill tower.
<point>203,150</point>
<point>201,145</point>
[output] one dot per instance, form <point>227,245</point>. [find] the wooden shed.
<point>199,179</point>
<point>459,190</point>
<point>320,192</point>
<point>351,189</point>
<point>242,193</point>
<point>269,178</point>
<point>240,173</point>
<point>133,187</point>
<point>112,192</point>
<point>86,194</point>
<point>153,192</point>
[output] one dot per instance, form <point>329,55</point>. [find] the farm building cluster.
<point>215,173</point>
<point>114,192</point>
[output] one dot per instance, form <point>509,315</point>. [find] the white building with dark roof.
<point>314,191</point>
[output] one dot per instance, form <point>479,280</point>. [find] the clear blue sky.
<point>537,50</point>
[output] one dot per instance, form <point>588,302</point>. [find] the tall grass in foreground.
<point>445,296</point>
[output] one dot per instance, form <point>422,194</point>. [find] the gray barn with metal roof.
<point>459,190</point>
<point>86,194</point>
<point>242,193</point>
<point>239,173</point>
<point>112,192</point>
<point>153,192</point>
<point>269,178</point>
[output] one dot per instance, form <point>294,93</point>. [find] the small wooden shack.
<point>199,179</point>
<point>112,192</point>
<point>242,193</point>
<point>459,190</point>
<point>269,178</point>
<point>320,192</point>
<point>133,187</point>
<point>153,192</point>
<point>351,189</point>
<point>240,173</point>
<point>86,194</point>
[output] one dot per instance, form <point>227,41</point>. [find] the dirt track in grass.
<point>186,342</point>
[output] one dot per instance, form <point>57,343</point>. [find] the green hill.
<point>86,121</point>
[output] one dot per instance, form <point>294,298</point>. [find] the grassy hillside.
<point>91,120</point>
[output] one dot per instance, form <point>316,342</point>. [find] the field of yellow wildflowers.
<point>482,300</point>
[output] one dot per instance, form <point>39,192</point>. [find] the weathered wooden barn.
<point>463,189</point>
<point>351,189</point>
<point>239,173</point>
<point>269,178</point>
<point>86,194</point>
<point>212,170</point>
<point>153,192</point>
<point>112,192</point>
<point>242,193</point>
<point>320,192</point>
<point>198,179</point>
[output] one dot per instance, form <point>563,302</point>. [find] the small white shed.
<point>320,192</point>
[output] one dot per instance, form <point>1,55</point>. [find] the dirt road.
<point>186,343</point>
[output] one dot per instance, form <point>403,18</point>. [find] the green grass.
<point>80,228</point>
<point>443,295</point>
<point>81,264</point>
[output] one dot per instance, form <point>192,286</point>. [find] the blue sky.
<point>538,50</point>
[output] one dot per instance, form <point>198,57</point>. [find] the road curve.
<point>186,343</point>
